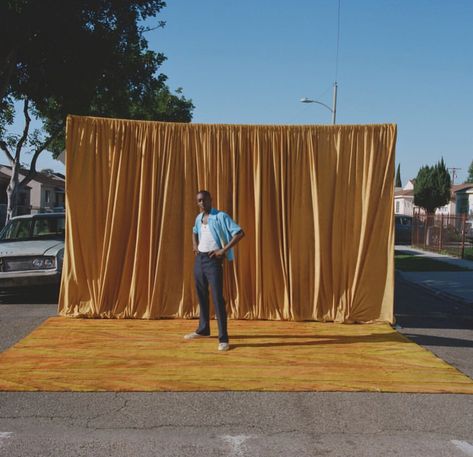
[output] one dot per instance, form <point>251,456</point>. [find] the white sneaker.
<point>194,335</point>
<point>223,346</point>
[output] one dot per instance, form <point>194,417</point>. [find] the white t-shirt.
<point>206,241</point>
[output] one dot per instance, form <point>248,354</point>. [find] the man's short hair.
<point>204,192</point>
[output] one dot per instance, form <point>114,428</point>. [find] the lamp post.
<point>333,110</point>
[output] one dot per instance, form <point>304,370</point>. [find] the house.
<point>43,193</point>
<point>464,199</point>
<point>461,201</point>
<point>23,198</point>
<point>404,199</point>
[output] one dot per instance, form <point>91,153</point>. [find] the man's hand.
<point>196,251</point>
<point>219,253</point>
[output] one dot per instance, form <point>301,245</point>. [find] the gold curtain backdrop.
<point>315,202</point>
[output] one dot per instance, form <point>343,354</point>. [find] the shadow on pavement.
<point>431,340</point>
<point>32,297</point>
<point>405,252</point>
<point>416,308</point>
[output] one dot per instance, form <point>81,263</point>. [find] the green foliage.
<point>86,57</point>
<point>432,187</point>
<point>398,182</point>
<point>7,115</point>
<point>469,179</point>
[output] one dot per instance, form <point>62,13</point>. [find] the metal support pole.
<point>441,233</point>
<point>463,236</point>
<point>334,103</point>
<point>426,232</point>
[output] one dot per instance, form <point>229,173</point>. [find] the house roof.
<point>5,179</point>
<point>43,178</point>
<point>461,187</point>
<point>50,180</point>
<point>404,193</point>
<point>455,188</point>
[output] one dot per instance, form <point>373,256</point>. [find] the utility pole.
<point>453,172</point>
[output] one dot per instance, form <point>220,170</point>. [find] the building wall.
<point>409,185</point>
<point>35,195</point>
<point>403,205</point>
<point>35,198</point>
<point>470,203</point>
<point>51,197</point>
<point>447,210</point>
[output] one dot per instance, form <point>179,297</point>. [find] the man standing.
<point>214,235</point>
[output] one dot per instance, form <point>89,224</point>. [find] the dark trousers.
<point>209,271</point>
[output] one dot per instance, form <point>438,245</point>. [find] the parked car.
<point>31,252</point>
<point>403,229</point>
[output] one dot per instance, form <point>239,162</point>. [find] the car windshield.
<point>37,228</point>
<point>400,220</point>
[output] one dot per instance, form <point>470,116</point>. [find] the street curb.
<point>435,292</point>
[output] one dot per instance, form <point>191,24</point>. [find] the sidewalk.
<point>457,285</point>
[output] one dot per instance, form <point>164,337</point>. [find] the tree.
<point>469,179</point>
<point>87,57</point>
<point>432,187</point>
<point>398,182</point>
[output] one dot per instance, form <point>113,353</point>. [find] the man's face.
<point>204,202</point>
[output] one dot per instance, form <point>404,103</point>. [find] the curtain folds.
<point>316,204</point>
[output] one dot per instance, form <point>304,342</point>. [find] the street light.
<point>333,110</point>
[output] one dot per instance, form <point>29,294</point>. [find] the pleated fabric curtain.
<point>315,202</point>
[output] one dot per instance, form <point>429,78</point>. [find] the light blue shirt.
<point>222,227</point>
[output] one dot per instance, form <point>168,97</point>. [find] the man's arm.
<point>195,243</point>
<point>221,252</point>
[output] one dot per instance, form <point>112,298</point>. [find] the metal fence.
<point>444,234</point>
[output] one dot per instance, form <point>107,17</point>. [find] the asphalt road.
<point>250,424</point>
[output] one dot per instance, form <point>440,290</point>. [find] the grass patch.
<point>418,263</point>
<point>469,253</point>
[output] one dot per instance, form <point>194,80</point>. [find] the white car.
<point>31,252</point>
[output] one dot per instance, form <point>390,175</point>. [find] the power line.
<point>335,85</point>
<point>338,42</point>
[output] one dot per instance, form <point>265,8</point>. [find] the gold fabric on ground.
<point>316,204</point>
<point>151,355</point>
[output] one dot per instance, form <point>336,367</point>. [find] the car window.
<point>403,220</point>
<point>48,227</point>
<point>17,229</point>
<point>37,228</point>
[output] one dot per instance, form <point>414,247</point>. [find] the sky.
<point>405,62</point>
